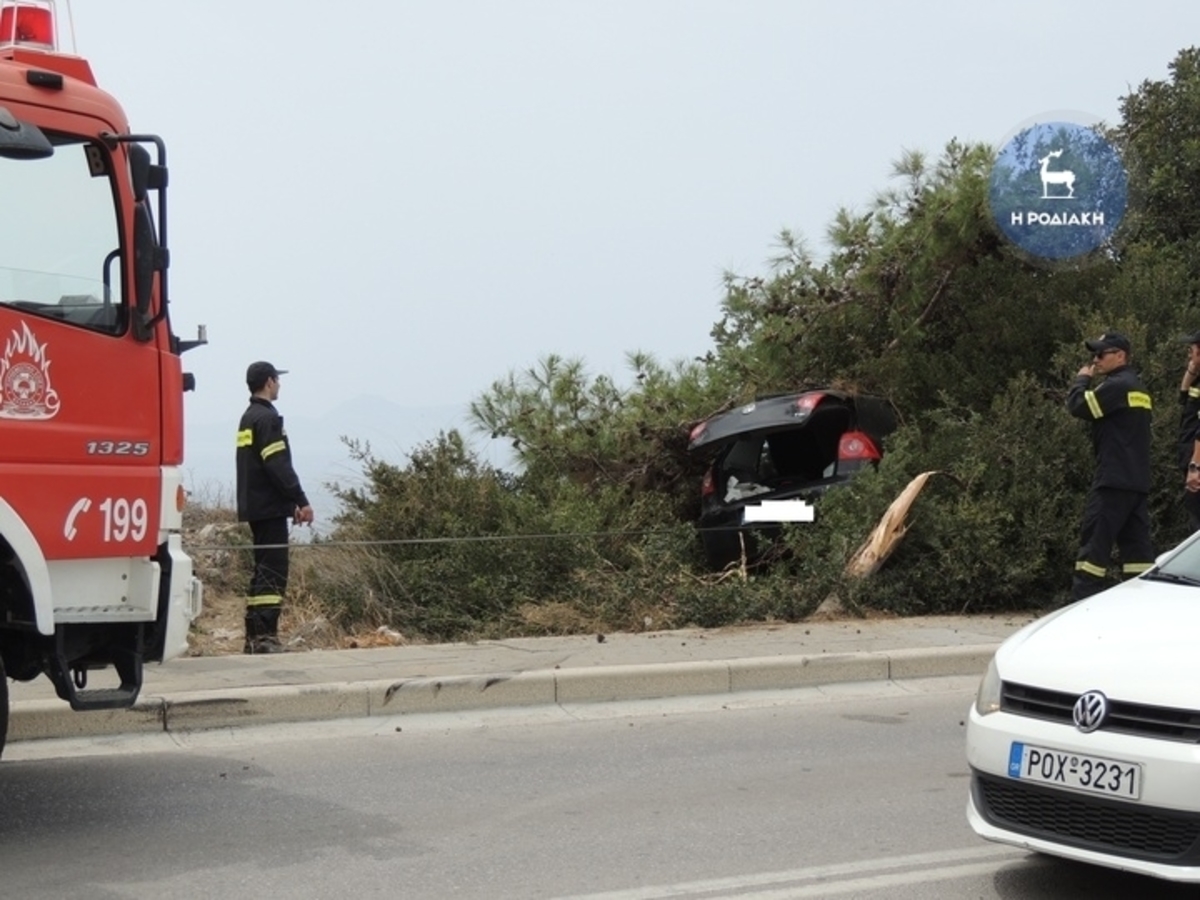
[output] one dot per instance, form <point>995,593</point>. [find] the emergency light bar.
<point>28,23</point>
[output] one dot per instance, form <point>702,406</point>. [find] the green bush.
<point>920,302</point>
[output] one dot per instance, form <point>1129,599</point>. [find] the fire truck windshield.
<point>59,241</point>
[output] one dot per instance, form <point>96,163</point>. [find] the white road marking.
<point>873,883</point>
<point>831,880</point>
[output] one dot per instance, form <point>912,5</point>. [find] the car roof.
<point>781,412</point>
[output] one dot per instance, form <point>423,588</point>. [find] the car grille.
<point>1104,826</point>
<point>1160,722</point>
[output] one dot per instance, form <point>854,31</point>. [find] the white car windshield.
<point>1183,567</point>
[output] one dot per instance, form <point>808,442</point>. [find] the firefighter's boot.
<point>262,630</point>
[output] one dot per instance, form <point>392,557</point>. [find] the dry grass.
<point>556,618</point>
<point>220,630</point>
<point>217,544</point>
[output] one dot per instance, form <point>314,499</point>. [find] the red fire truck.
<point>94,581</point>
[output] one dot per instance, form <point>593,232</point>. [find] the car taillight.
<point>806,403</point>
<point>857,445</point>
<point>708,486</point>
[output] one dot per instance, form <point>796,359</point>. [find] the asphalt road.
<point>850,791</point>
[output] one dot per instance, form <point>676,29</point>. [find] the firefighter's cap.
<point>1193,338</point>
<point>1110,340</point>
<point>259,373</point>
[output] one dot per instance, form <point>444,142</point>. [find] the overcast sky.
<point>409,198</point>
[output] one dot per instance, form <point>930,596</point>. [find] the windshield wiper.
<point>1171,578</point>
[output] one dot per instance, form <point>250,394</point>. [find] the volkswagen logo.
<point>1090,711</point>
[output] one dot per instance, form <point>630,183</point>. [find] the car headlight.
<point>987,701</point>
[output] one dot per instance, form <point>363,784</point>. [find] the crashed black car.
<point>773,457</point>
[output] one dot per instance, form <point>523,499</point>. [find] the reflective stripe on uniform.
<point>265,600</point>
<point>1194,392</point>
<point>272,449</point>
<point>1139,400</point>
<point>1136,568</point>
<point>1090,569</point>
<point>245,437</point>
<point>1093,404</point>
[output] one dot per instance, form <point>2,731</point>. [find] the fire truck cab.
<point>94,581</point>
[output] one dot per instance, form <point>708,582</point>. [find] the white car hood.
<point>1139,642</point>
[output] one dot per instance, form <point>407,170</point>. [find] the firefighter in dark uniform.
<point>268,494</point>
<point>1189,424</point>
<point>1119,411</point>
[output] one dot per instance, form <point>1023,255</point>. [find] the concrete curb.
<point>261,705</point>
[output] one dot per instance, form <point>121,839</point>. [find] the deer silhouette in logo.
<point>1066,176</point>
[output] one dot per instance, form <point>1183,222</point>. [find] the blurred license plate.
<point>1075,771</point>
<point>778,511</point>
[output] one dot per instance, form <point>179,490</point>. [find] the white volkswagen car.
<point>1084,740</point>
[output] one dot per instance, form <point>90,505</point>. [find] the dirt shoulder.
<point>220,629</point>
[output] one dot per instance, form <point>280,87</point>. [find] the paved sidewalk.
<point>229,691</point>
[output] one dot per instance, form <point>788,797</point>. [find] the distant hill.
<point>392,431</point>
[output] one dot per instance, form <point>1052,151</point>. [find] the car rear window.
<point>808,452</point>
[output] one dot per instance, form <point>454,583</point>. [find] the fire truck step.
<point>71,677</point>
<point>104,698</point>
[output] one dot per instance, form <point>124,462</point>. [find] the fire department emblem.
<point>25,391</point>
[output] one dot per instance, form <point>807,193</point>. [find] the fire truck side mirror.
<point>149,255</point>
<point>145,263</point>
<point>21,140</point>
<point>144,175</point>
